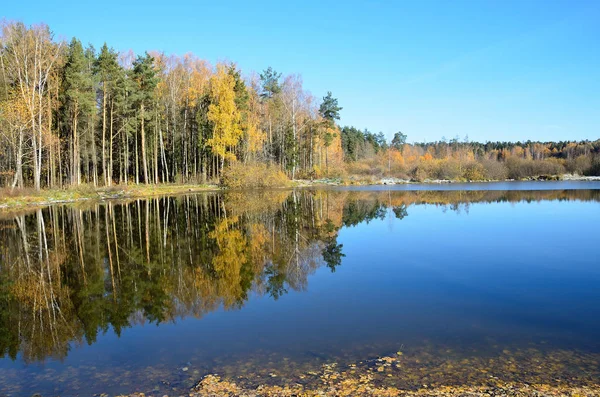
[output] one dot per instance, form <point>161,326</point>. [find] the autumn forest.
<point>72,114</point>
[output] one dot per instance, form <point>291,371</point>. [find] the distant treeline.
<point>369,154</point>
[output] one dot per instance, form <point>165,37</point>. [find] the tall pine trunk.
<point>104,172</point>
<point>109,177</point>
<point>144,161</point>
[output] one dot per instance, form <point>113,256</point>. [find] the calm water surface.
<point>153,294</point>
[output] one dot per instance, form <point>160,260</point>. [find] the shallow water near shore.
<point>459,285</point>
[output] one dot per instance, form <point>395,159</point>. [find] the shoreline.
<point>213,386</point>
<point>352,181</point>
<point>45,198</point>
<point>68,196</point>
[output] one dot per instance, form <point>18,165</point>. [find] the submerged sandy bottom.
<point>525,372</point>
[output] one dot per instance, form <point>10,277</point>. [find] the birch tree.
<point>28,57</point>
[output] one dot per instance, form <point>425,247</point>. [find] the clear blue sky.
<point>492,70</point>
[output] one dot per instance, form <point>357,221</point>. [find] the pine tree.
<point>144,75</point>
<point>399,140</point>
<point>107,69</point>
<point>270,83</point>
<point>78,102</point>
<point>330,111</point>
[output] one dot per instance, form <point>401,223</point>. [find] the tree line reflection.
<point>68,273</point>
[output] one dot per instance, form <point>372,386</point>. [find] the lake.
<point>464,282</point>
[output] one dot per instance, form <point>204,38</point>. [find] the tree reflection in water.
<point>70,272</point>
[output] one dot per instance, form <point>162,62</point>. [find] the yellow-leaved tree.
<point>231,257</point>
<point>224,115</point>
<point>13,124</point>
<point>255,136</point>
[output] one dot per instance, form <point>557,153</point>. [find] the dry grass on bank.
<point>253,176</point>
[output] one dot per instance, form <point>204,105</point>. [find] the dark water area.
<point>151,295</point>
